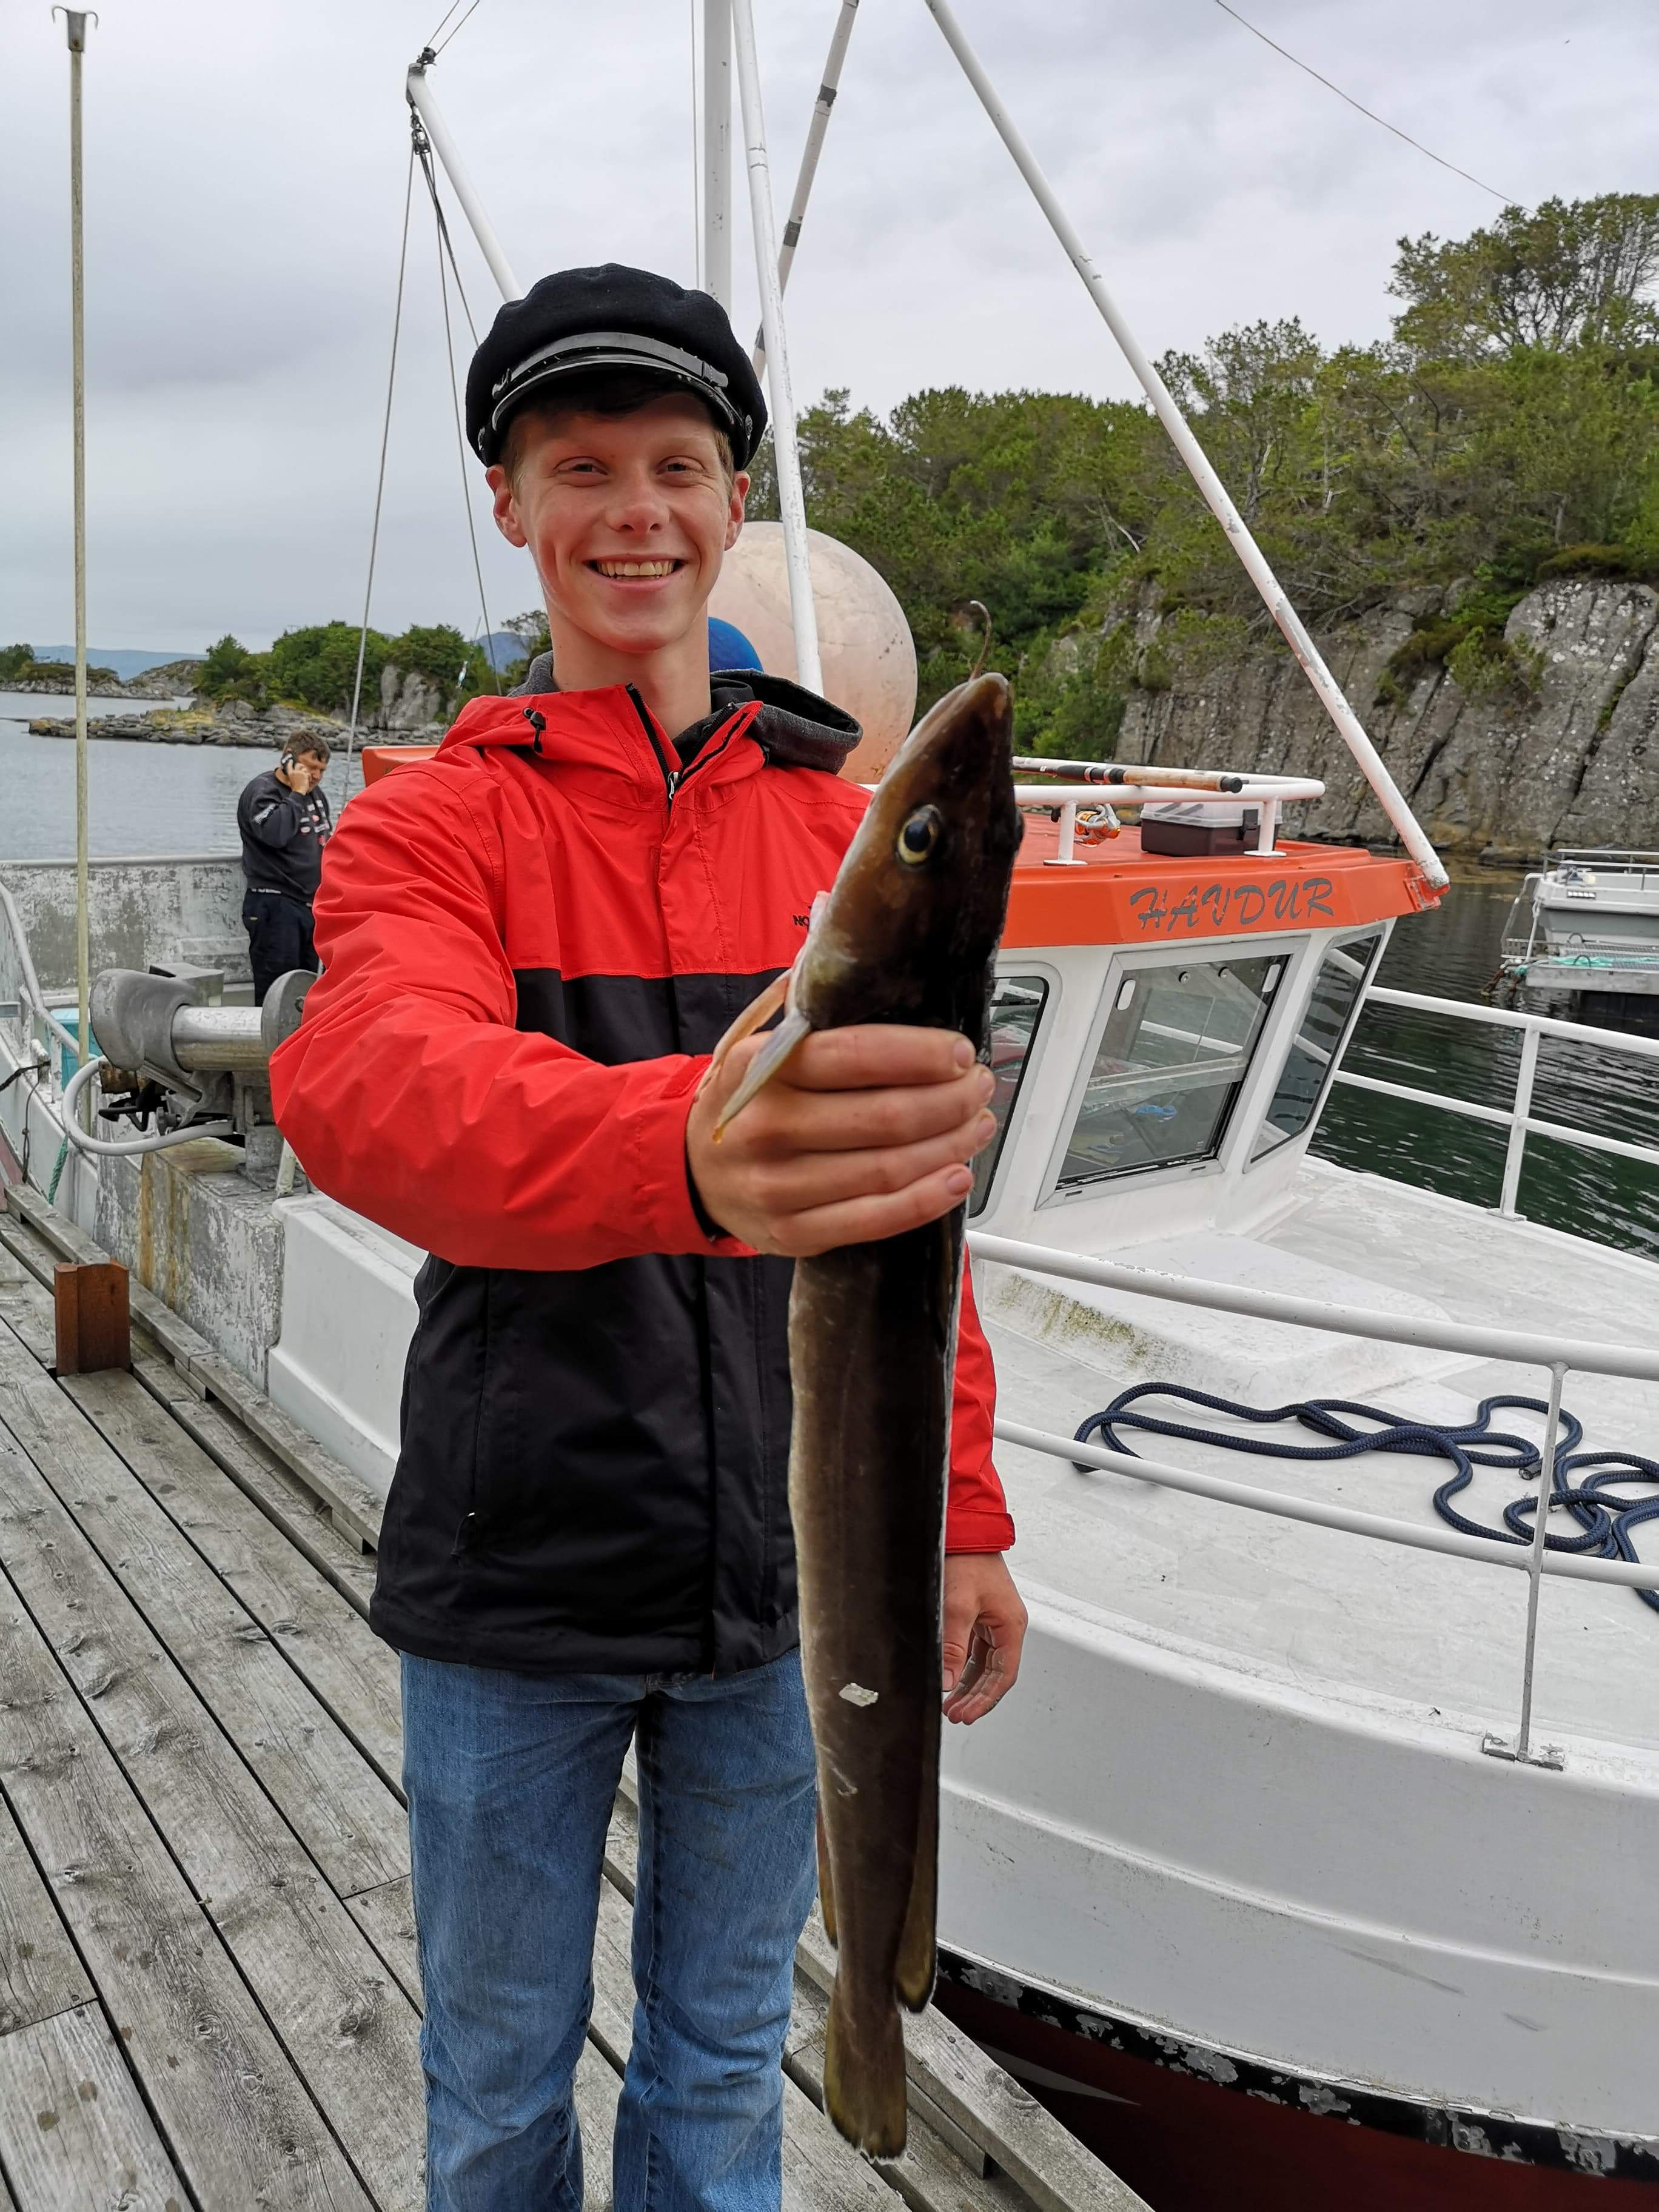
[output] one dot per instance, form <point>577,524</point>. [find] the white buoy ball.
<point>864,641</point>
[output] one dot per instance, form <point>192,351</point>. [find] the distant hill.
<point>500,648</point>
<point>126,661</point>
<point>501,645</point>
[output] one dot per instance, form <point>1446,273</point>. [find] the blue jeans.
<point>510,1780</point>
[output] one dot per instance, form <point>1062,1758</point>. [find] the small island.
<point>412,687</point>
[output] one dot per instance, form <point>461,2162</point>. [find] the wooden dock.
<point>209,1991</point>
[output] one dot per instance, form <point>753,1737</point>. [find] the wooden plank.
<point>943,2169</point>
<point>67,1241</point>
<point>74,2133</point>
<point>349,1818</point>
<point>240,2125</point>
<point>346,2025</point>
<point>1053,2168</point>
<point>595,2092</point>
<point>321,1636</point>
<point>94,1326</point>
<point>355,1505</point>
<point>386,1917</point>
<point>280,1495</point>
<point>27,1261</point>
<point>24,1300</point>
<point>39,1973</point>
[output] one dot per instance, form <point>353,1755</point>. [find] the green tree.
<point>229,671</point>
<point>316,666</point>
<point>1565,274</point>
<point>437,651</point>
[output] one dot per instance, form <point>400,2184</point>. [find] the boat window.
<point>1017,1007</point>
<point>1316,1047</point>
<point>1174,1053</point>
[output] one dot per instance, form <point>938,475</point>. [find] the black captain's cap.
<point>579,321</point>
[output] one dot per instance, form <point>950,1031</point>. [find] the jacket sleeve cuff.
<point>670,1207</point>
<point>974,1529</point>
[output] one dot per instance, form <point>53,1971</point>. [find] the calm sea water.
<point>1453,953</point>
<point>140,798</point>
<point>182,798</point>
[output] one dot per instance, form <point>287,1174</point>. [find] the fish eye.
<point>921,832</point>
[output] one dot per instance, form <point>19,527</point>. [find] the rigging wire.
<point>455,401</point>
<point>1369,113</point>
<point>445,242</point>
<point>461,26</point>
<point>385,433</point>
<point>448,13</point>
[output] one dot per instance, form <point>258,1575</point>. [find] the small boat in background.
<point>1585,925</point>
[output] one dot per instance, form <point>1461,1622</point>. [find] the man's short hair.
<point>317,747</point>
<point>608,393</point>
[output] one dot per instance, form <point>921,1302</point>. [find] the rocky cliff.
<point>1558,745</point>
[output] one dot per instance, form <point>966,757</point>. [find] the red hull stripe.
<point>1191,2128</point>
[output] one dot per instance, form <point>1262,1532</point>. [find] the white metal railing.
<point>1558,1356</point>
<point>1517,1117</point>
<point>32,996</point>
<point>1620,857</point>
<point>1268,793</point>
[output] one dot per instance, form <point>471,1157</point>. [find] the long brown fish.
<point>908,934</point>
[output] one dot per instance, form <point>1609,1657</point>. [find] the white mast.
<point>421,100</point>
<point>717,150</point>
<point>791,504</point>
<point>1254,562</point>
<point>74,25</point>
<point>828,86</point>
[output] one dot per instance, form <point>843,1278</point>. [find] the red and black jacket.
<point>530,944</point>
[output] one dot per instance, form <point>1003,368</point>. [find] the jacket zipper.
<point>674,777</point>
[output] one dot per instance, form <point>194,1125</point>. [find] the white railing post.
<point>1497,1747</point>
<point>1066,857</point>
<point>717,150</point>
<point>1517,1146</point>
<point>1265,848</point>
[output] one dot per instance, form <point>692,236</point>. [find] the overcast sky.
<point>245,181</point>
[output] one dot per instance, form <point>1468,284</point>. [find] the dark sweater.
<point>283,833</point>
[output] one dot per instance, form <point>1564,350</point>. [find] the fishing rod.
<point>1188,778</point>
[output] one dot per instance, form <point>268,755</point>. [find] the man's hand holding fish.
<point>865,1133</point>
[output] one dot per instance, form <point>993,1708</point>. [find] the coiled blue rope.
<point>1605,1520</point>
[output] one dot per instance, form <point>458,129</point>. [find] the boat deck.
<point>1441,1638</point>
<point>208,1988</point>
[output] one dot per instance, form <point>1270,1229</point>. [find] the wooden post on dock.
<point>93,1331</point>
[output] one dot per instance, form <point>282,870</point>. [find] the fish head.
<point>909,930</point>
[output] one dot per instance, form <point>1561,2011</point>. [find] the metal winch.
<point>176,1065</point>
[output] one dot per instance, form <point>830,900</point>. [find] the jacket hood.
<point>794,728</point>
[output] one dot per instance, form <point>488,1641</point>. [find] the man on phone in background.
<point>285,823</point>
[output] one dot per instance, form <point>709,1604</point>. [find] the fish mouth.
<point>633,571</point>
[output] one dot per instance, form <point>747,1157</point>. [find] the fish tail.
<point>864,2081</point>
<point>826,1884</point>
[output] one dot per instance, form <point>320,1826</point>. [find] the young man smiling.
<point>531,945</point>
